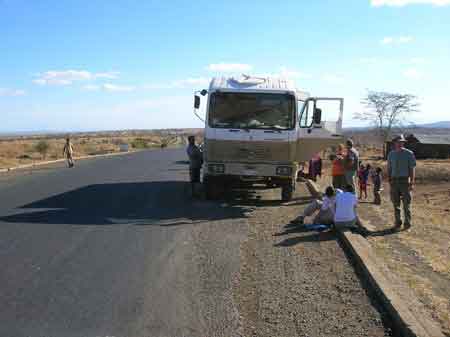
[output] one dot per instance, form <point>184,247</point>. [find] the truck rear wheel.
<point>287,192</point>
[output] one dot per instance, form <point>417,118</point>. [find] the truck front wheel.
<point>213,189</point>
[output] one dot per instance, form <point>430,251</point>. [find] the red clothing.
<point>338,166</point>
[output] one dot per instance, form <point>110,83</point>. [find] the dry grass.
<point>20,151</point>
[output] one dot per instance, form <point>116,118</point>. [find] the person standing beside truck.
<point>315,167</point>
<point>68,152</point>
<point>195,163</point>
<point>401,172</point>
<point>351,163</point>
<point>337,170</point>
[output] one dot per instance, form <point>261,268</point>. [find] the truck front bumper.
<point>250,170</point>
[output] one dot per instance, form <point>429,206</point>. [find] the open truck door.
<point>320,120</point>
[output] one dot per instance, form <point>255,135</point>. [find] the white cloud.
<point>192,82</point>
<point>397,40</point>
<point>11,92</point>
<point>117,88</point>
<point>91,87</point>
<point>405,39</point>
<point>111,75</point>
<point>229,67</point>
<point>412,73</point>
<point>369,60</point>
<point>401,3</point>
<point>108,87</point>
<point>417,60</point>
<point>387,40</point>
<point>333,79</point>
<point>292,74</point>
<point>67,77</point>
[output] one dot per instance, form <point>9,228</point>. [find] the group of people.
<point>347,168</point>
<point>338,205</point>
<point>337,208</point>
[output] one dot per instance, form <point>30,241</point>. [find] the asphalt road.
<point>113,247</point>
<point>116,247</point>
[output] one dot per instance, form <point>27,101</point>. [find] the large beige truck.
<point>259,132</point>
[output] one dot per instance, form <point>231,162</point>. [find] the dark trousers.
<point>194,173</point>
<point>339,181</point>
<point>401,194</point>
<point>376,196</point>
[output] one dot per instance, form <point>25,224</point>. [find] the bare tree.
<point>386,110</point>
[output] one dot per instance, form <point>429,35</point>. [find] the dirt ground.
<point>299,283</point>
<point>420,256</point>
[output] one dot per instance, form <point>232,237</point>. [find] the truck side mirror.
<point>203,92</point>
<point>196,102</point>
<point>317,117</point>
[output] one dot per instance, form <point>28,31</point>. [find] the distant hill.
<point>436,125</point>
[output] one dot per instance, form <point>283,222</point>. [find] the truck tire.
<point>213,190</point>
<point>287,192</point>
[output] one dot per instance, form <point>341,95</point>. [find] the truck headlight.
<point>284,171</point>
<point>216,168</point>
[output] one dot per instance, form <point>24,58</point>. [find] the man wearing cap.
<point>401,172</point>
<point>351,163</point>
<point>195,162</point>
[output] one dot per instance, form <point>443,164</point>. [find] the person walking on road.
<point>195,163</point>
<point>68,152</point>
<point>351,163</point>
<point>337,170</point>
<point>401,172</point>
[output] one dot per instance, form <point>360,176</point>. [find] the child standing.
<point>363,177</point>
<point>377,179</point>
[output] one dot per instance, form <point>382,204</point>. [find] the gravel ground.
<point>297,283</point>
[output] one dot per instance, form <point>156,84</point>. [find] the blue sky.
<point>90,65</point>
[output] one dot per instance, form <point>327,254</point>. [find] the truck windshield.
<point>252,111</point>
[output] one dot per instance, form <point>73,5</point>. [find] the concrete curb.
<point>3,170</point>
<point>406,312</point>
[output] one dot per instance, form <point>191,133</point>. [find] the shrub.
<point>139,143</point>
<point>42,147</point>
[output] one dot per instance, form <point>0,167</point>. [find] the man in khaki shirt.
<point>68,152</point>
<point>401,166</point>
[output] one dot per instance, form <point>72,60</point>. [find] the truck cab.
<point>259,131</point>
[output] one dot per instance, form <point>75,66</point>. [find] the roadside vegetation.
<point>16,151</point>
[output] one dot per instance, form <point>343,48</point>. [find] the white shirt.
<point>345,206</point>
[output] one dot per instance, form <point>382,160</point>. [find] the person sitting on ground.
<point>345,213</point>
<point>325,208</point>
<point>377,180</point>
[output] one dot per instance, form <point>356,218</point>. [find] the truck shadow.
<point>163,203</point>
